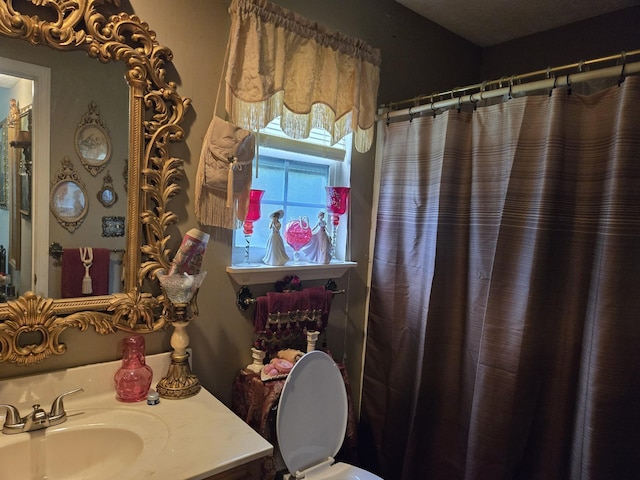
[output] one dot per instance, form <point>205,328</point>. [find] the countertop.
<point>202,436</point>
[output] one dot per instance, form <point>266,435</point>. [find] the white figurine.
<point>318,250</point>
<point>275,254</point>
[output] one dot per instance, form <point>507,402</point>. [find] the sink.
<point>91,443</point>
<point>104,439</point>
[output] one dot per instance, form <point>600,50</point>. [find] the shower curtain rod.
<point>508,86</point>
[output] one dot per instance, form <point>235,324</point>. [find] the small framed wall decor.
<point>92,141</point>
<point>69,200</point>
<point>113,226</point>
<point>107,196</point>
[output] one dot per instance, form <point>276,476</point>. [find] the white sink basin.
<point>104,439</point>
<point>90,444</point>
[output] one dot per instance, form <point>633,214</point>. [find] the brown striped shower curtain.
<point>504,328</point>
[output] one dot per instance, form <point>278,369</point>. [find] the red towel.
<point>287,301</point>
<point>313,298</point>
<point>73,273</point>
<point>320,299</point>
<point>261,314</point>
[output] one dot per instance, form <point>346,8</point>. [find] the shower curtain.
<point>504,328</point>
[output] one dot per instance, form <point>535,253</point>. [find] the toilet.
<point>311,421</point>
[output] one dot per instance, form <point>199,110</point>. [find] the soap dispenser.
<point>133,378</point>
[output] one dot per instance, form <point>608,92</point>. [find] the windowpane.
<point>271,179</point>
<point>306,183</point>
<point>294,181</point>
<point>261,229</point>
<point>295,187</point>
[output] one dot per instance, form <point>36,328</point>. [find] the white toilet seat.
<point>312,419</point>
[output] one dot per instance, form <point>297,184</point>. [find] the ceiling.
<point>490,22</point>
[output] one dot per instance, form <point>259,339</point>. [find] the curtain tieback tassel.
<point>86,255</point>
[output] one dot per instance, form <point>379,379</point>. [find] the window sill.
<point>260,274</point>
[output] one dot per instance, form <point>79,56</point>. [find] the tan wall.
<point>418,57</point>
<point>221,337</point>
<point>598,37</point>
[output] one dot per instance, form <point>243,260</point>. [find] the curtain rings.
<point>482,88</point>
<point>568,85</point>
<point>433,110</point>
<point>510,94</point>
<point>623,56</point>
<point>411,114</point>
<point>555,81</point>
<point>388,116</point>
<point>473,102</point>
<point>459,104</point>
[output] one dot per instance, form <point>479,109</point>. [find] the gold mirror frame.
<point>155,113</point>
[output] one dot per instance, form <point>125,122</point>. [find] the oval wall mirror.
<point>107,195</point>
<point>68,197</point>
<point>92,141</point>
<point>95,28</point>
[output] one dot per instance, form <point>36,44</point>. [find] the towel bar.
<point>56,251</point>
<point>244,297</point>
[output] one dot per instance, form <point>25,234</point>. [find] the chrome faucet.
<point>36,419</point>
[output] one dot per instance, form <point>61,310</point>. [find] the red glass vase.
<point>337,201</point>
<point>133,378</point>
<point>253,214</point>
<point>253,211</point>
<point>297,234</point>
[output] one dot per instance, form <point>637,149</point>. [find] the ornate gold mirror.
<point>30,325</point>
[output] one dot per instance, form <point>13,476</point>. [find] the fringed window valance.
<point>281,64</point>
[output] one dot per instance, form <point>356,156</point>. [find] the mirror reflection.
<point>114,62</point>
<point>80,87</point>
<point>16,99</point>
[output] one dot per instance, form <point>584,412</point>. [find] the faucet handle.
<point>13,415</point>
<point>57,407</point>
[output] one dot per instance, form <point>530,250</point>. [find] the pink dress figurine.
<point>318,250</point>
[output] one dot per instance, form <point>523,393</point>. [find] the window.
<point>293,174</point>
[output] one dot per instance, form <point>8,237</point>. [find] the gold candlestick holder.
<point>179,289</point>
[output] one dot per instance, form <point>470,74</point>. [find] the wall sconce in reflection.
<point>23,141</point>
<point>179,289</point>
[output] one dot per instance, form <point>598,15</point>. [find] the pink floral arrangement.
<point>288,284</point>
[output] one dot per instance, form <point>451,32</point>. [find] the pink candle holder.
<point>297,234</point>
<point>253,214</point>
<point>337,200</point>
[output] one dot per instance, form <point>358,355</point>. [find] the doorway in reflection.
<point>16,100</point>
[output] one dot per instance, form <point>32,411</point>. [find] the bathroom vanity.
<point>102,438</point>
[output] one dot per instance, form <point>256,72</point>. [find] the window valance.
<point>281,64</point>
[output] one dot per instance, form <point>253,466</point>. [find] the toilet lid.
<point>312,412</point>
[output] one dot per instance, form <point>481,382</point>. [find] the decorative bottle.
<point>133,378</point>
